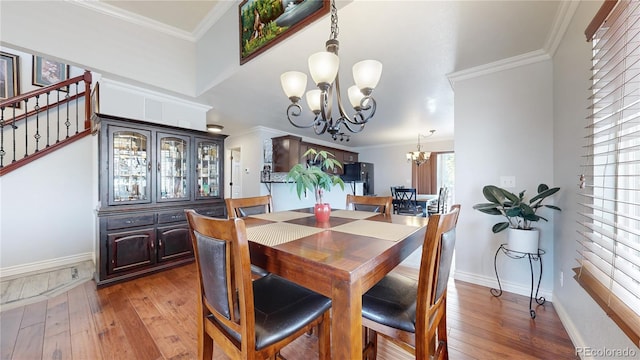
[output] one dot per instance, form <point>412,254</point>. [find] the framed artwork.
<point>264,23</point>
<point>9,76</point>
<point>47,72</point>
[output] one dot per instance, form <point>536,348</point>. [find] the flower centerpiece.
<point>519,213</point>
<point>312,177</point>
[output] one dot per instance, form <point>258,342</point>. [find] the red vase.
<point>322,212</point>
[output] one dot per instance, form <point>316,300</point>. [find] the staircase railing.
<point>40,121</point>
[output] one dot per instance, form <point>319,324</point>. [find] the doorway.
<point>235,185</point>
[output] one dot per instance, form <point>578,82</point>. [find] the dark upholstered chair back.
<point>213,257</point>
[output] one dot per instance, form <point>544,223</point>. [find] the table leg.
<point>346,322</point>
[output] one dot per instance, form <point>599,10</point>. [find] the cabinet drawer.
<point>171,216</point>
<point>130,221</point>
<point>214,211</point>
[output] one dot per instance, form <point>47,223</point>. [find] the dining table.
<point>340,259</point>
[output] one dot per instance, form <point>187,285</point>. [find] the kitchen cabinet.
<point>149,174</point>
<point>288,150</point>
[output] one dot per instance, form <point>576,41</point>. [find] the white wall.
<point>47,210</point>
<point>504,126</point>
<point>390,162</point>
<point>587,324</point>
<point>131,51</point>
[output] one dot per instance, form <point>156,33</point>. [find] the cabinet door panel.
<point>173,242</point>
<point>128,165</point>
<point>132,249</point>
<point>208,169</point>
<point>173,167</point>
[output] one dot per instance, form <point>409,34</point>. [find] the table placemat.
<point>353,214</point>
<point>377,229</point>
<point>279,233</point>
<point>282,215</point>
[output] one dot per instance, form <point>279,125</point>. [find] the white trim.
<point>45,265</point>
<point>570,327</point>
<point>497,66</point>
<point>134,18</point>
<point>491,282</point>
<point>212,17</point>
<point>560,24</point>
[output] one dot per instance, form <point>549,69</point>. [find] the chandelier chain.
<point>334,21</point>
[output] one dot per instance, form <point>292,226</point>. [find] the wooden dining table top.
<point>340,259</point>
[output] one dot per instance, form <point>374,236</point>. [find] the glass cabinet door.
<point>208,169</point>
<point>130,166</point>
<point>173,167</point>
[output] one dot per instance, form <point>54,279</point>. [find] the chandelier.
<point>323,67</point>
<point>420,157</point>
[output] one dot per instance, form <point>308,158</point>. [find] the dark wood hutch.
<point>150,173</point>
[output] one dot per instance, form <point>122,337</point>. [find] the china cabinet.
<point>149,174</point>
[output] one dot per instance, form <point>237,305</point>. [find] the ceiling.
<point>418,42</point>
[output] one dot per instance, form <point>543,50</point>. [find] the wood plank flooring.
<point>154,318</point>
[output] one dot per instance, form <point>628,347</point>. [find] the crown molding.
<point>560,24</point>
<point>136,19</point>
<point>497,66</point>
<point>563,17</point>
<point>212,17</point>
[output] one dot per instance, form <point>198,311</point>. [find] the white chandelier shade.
<point>420,157</point>
<point>323,67</point>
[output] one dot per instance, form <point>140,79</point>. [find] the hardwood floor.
<point>153,318</point>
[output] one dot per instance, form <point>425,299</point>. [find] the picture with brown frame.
<point>264,23</point>
<point>48,72</point>
<point>9,76</point>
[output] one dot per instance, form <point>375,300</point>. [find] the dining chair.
<point>243,207</point>
<point>247,319</point>
<point>440,206</point>
<point>381,204</point>
<point>406,201</point>
<point>412,313</point>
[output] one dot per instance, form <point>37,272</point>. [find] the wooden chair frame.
<point>240,298</point>
<point>433,339</point>
<point>234,204</point>
<point>384,202</point>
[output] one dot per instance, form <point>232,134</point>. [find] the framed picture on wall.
<point>264,23</point>
<point>48,72</point>
<point>9,76</point>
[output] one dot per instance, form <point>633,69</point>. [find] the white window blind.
<point>610,206</point>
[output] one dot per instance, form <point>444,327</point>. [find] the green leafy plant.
<point>312,177</point>
<point>519,214</point>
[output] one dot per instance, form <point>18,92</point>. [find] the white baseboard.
<point>571,328</point>
<point>491,282</point>
<point>45,265</point>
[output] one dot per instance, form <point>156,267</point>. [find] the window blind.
<point>609,215</point>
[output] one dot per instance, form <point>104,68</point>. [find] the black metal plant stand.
<point>520,255</point>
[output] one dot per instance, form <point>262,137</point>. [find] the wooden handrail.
<point>86,77</point>
<point>80,132</point>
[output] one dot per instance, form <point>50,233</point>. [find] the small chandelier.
<point>420,157</point>
<point>323,67</point>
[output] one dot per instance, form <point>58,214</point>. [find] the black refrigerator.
<point>360,172</point>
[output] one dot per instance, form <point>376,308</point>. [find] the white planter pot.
<point>524,241</point>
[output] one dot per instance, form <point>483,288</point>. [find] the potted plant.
<point>311,177</point>
<point>519,213</point>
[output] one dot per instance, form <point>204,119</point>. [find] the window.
<point>610,214</point>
